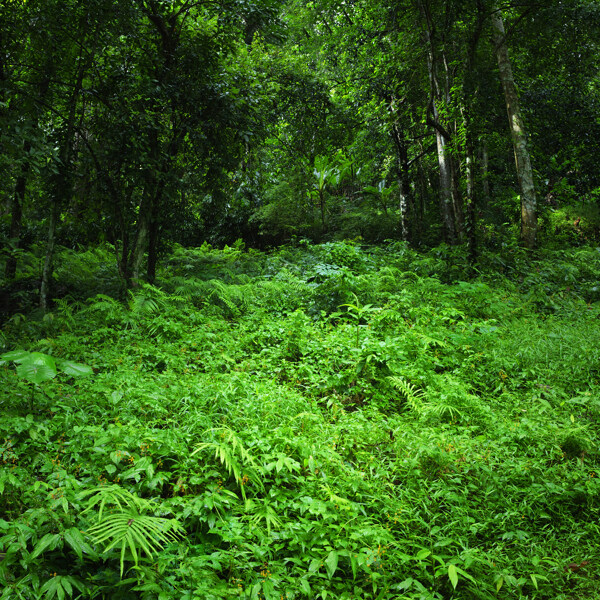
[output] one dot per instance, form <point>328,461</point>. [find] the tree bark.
<point>519,138</point>
<point>141,239</point>
<point>485,180</point>
<point>446,201</point>
<point>48,259</point>
<point>16,215</point>
<point>62,186</point>
<point>471,228</point>
<point>405,199</point>
<point>441,135</point>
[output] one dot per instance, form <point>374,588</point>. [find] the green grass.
<point>327,422</point>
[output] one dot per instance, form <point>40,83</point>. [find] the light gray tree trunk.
<point>443,154</point>
<point>446,200</point>
<point>522,160</point>
<point>405,200</point>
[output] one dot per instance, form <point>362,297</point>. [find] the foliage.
<point>244,435</point>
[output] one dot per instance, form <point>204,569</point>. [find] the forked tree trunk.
<point>522,160</point>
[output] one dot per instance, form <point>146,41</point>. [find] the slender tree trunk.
<point>471,228</point>
<point>446,202</point>
<point>322,209</point>
<point>406,202</point>
<point>153,238</point>
<point>458,207</point>
<point>16,215</point>
<point>522,160</point>
<point>62,187</point>
<point>141,238</point>
<point>485,178</point>
<point>445,174</point>
<point>48,259</point>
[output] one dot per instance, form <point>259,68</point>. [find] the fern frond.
<point>414,396</point>
<point>112,495</point>
<point>125,525</point>
<point>227,451</point>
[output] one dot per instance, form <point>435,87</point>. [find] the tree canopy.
<point>148,122</point>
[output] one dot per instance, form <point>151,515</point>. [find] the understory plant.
<point>330,422</point>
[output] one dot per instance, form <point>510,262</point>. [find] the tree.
<point>519,137</point>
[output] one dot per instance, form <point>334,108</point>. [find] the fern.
<point>126,526</point>
<point>108,307</point>
<point>227,452</point>
<point>148,300</point>
<point>414,396</point>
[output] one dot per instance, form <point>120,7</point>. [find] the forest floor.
<point>316,422</point>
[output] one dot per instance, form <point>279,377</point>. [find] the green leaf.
<point>49,541</point>
<point>331,563</point>
<point>14,356</point>
<point>74,538</point>
<point>422,554</point>
<point>37,368</point>
<point>453,575</point>
<point>305,586</point>
<point>50,587</point>
<point>75,369</point>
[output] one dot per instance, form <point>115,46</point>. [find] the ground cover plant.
<point>321,421</point>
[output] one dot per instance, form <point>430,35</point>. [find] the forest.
<point>299,299</point>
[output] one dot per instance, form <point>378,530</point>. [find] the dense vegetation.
<point>321,422</point>
<point>290,309</point>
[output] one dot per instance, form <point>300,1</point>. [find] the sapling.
<point>37,367</point>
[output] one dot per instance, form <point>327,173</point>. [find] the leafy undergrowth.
<point>320,422</point>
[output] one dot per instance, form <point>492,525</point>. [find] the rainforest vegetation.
<point>299,299</point>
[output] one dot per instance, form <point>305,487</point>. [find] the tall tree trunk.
<point>153,238</point>
<point>62,186</point>
<point>405,199</point>
<point>485,178</point>
<point>16,215</point>
<point>471,228</point>
<point>48,259</point>
<point>458,207</point>
<point>446,201</point>
<point>445,170</point>
<point>141,238</point>
<point>522,160</point>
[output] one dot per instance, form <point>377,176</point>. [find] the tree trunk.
<point>445,176</point>
<point>457,200</point>
<point>522,160</point>
<point>153,238</point>
<point>471,228</point>
<point>16,215</point>
<point>62,186</point>
<point>141,239</point>
<point>48,259</point>
<point>405,200</point>
<point>485,180</point>
<point>446,202</point>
